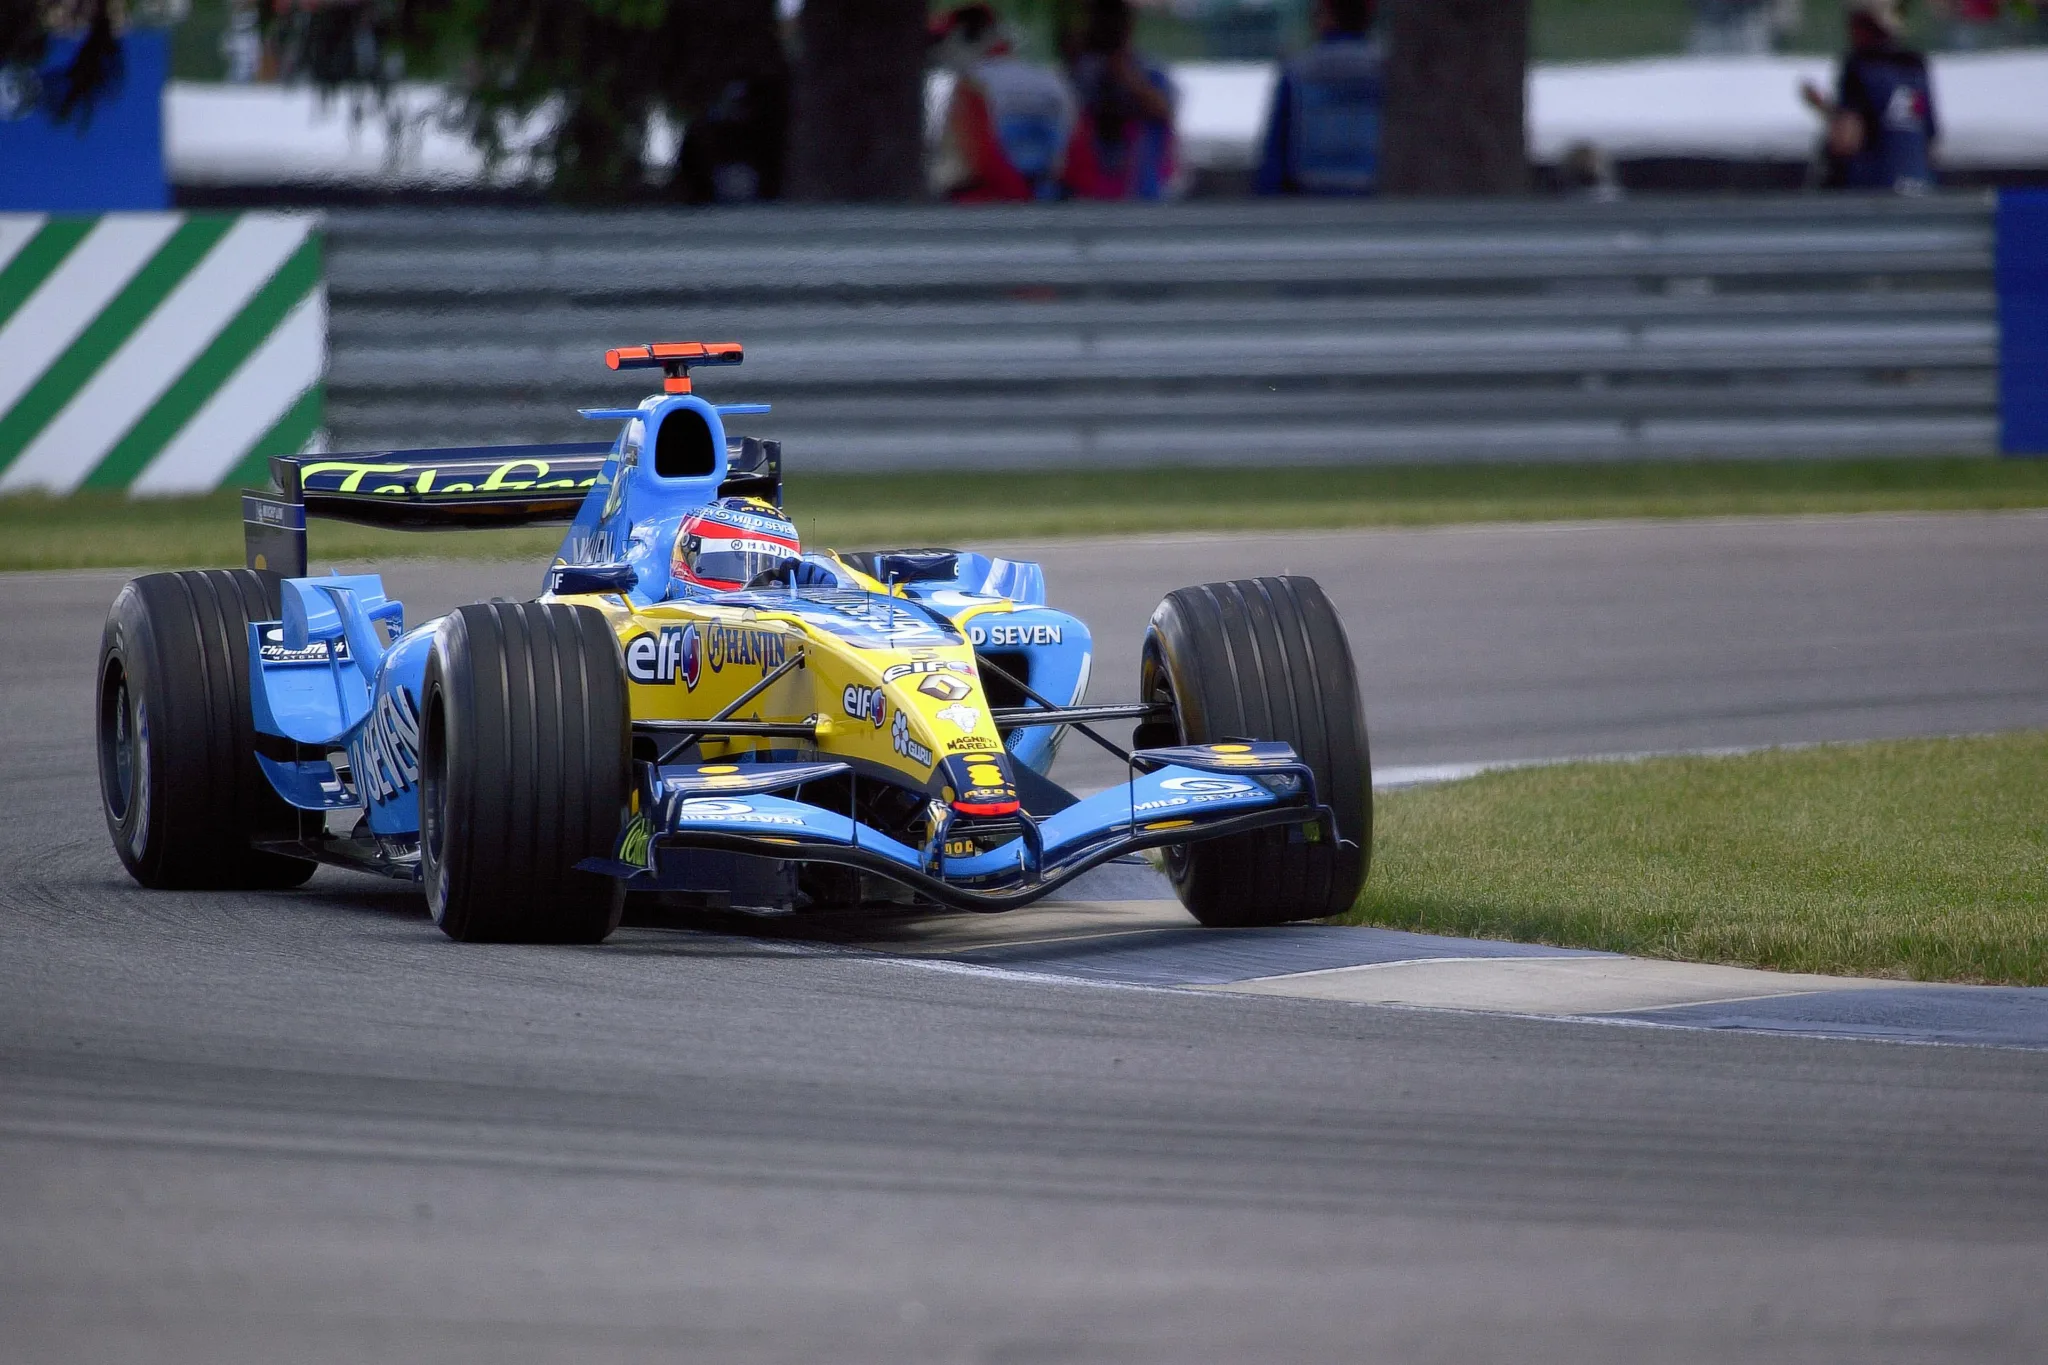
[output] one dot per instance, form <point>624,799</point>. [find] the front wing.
<point>1173,796</point>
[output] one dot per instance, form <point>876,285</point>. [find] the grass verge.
<point>846,510</point>
<point>1922,859</point>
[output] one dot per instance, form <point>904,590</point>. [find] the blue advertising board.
<point>107,160</point>
<point>2022,276</point>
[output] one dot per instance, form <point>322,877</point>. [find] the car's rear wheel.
<point>1265,658</point>
<point>183,795</point>
<point>525,770</point>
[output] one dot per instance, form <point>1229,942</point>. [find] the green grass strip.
<point>287,436</point>
<point>213,367</point>
<point>106,333</point>
<point>38,260</point>
<point>854,511</point>
<point>843,509</point>
<point>1920,859</point>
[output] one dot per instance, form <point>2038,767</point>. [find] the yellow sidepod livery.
<point>896,707</point>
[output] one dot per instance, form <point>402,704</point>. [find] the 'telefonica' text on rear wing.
<point>450,488</point>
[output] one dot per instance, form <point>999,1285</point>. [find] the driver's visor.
<point>738,559</point>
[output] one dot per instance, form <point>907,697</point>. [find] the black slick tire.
<point>1264,658</point>
<point>183,796</point>
<point>525,769</point>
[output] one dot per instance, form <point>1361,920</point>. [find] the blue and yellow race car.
<point>696,706</point>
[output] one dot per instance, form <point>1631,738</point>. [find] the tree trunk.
<point>1456,76</point>
<point>858,130</point>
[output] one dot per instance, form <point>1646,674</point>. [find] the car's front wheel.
<point>525,769</point>
<point>1265,658</point>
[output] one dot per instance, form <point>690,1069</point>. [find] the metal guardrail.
<point>1286,332</point>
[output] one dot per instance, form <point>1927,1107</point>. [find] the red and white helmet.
<point>725,545</point>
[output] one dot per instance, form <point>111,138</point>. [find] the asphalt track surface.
<point>304,1127</point>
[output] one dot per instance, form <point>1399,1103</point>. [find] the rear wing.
<point>452,488</point>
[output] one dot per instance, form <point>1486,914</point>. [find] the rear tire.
<point>179,783</point>
<point>1265,658</point>
<point>525,769</point>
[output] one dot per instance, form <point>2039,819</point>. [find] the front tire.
<point>525,769</point>
<point>183,795</point>
<point>1265,658</point>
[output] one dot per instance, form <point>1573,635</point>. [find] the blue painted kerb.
<point>2022,281</point>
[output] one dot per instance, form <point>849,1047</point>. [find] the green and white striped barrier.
<point>157,352</point>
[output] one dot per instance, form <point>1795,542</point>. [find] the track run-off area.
<point>305,1126</point>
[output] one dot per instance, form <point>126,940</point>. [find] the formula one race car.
<point>695,706</point>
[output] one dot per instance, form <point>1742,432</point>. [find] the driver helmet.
<point>725,545</point>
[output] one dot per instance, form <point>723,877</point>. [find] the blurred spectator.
<point>1323,131</point>
<point>1880,124</point>
<point>1971,25</point>
<point>1588,171</point>
<point>241,43</point>
<point>1740,28</point>
<point>331,41</point>
<point>732,153</point>
<point>1123,146</point>
<point>1008,122</point>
